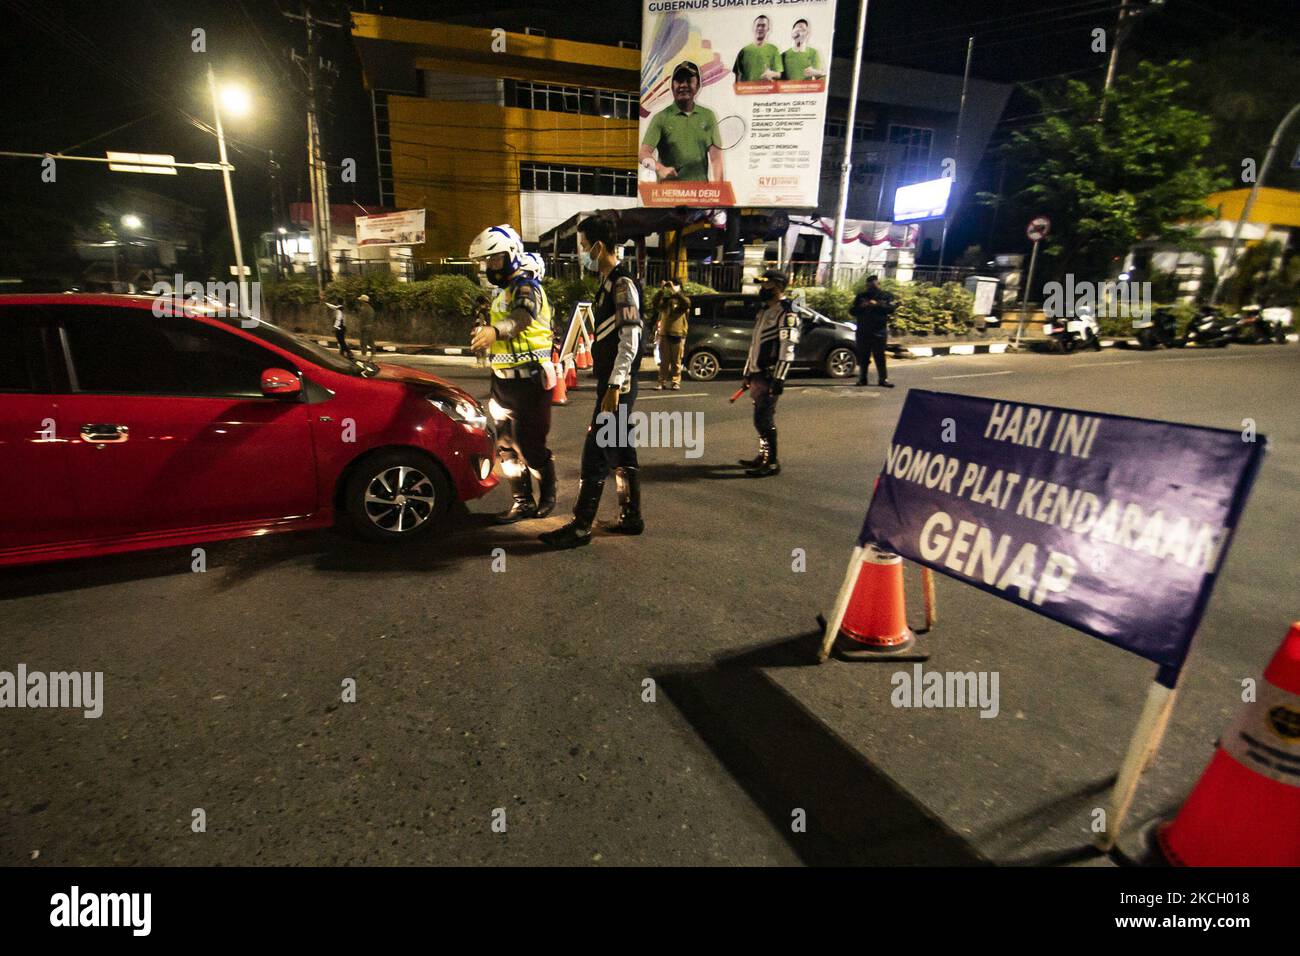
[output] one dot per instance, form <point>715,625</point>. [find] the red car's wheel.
<point>395,495</point>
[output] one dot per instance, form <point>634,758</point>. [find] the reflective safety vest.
<point>533,344</point>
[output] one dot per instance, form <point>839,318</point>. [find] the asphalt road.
<point>480,691</point>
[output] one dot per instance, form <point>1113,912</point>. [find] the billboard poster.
<point>1115,526</point>
<point>733,101</point>
<point>404,228</point>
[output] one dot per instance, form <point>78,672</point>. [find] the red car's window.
<point>130,351</point>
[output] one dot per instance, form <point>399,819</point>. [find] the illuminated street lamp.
<point>131,221</point>
<point>235,100</point>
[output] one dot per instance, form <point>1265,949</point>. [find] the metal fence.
<point>727,276</point>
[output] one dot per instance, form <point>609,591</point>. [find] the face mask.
<point>767,293</point>
<point>588,261</point>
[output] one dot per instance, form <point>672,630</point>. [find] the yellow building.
<point>481,126</point>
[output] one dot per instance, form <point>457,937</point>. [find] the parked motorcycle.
<point>1252,328</point>
<point>1161,328</point>
<point>1209,329</point>
<point>1071,332</point>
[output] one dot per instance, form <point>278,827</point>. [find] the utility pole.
<point>230,195</point>
<point>1273,144</point>
<point>843,201</point>
<point>1127,15</point>
<point>956,149</point>
<point>310,64</point>
<point>1114,58</point>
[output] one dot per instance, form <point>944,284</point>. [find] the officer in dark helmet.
<point>771,352</point>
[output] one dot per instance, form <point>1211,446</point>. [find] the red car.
<point>122,428</point>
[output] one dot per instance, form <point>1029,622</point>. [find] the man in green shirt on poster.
<point>760,60</point>
<point>685,135</point>
<point>802,62</point>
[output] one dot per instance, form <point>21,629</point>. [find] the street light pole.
<point>956,148</point>
<point>843,200</point>
<point>1250,200</point>
<point>225,177</point>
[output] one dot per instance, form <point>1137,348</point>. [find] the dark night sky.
<point>75,70</point>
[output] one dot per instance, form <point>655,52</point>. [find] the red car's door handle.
<point>104,433</point>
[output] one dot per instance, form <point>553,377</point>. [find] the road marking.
<point>939,378</point>
<point>1075,368</point>
<point>658,398</point>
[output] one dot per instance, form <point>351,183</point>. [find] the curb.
<point>402,349</point>
<point>970,348</point>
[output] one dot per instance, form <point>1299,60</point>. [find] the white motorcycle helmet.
<point>494,241</point>
<point>533,266</point>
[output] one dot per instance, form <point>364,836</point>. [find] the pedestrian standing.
<point>335,313</point>
<point>616,356</point>
<point>518,338</point>
<point>673,308</point>
<point>771,352</point>
<point>366,326</point>
<point>871,309</point>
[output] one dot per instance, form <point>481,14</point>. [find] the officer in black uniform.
<point>616,356</point>
<point>870,310</point>
<point>771,352</point>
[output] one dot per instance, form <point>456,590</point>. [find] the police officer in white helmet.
<point>518,341</point>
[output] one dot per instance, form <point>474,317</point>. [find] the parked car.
<point>721,326</point>
<point>123,429</point>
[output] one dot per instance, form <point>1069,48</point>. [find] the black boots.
<point>628,482</point>
<point>578,531</point>
<point>546,493</point>
<point>769,465</point>
<point>523,507</point>
<point>757,459</point>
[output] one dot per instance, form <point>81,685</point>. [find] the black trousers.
<point>600,457</point>
<point>341,336</point>
<point>523,433</point>
<point>760,390</point>
<point>872,347</point>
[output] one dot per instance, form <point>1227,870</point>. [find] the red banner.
<point>672,193</point>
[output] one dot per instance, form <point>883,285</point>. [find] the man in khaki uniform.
<point>366,321</point>
<point>673,308</point>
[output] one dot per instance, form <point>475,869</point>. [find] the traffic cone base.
<point>875,622</point>
<point>1245,809</point>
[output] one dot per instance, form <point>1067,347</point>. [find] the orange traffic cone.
<point>570,374</point>
<point>582,355</point>
<point>560,393</point>
<point>875,622</point>
<point>1245,810</point>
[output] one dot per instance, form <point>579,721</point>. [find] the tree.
<point>1137,174</point>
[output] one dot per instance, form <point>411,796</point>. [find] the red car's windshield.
<point>301,348</point>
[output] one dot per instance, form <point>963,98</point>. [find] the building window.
<point>861,130</point>
<point>591,180</point>
<point>912,145</point>
<point>613,104</point>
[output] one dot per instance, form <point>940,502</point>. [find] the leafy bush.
<point>920,309</point>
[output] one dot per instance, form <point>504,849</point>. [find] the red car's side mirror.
<point>278,383</point>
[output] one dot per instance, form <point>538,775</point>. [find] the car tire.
<point>419,489</point>
<point>703,365</point>
<point>840,362</point>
